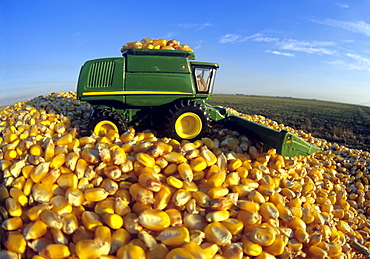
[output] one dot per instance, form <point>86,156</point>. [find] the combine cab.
<point>169,89</point>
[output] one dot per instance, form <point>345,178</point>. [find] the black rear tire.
<point>186,119</point>
<point>105,119</point>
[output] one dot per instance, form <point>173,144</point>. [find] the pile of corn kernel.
<point>147,43</point>
<point>64,195</point>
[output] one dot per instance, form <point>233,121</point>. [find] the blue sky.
<point>315,49</point>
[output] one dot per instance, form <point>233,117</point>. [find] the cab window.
<point>203,79</point>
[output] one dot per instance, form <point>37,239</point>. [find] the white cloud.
<point>280,53</point>
<point>343,6</point>
<point>356,27</point>
<point>362,63</point>
<point>315,47</point>
<point>229,38</point>
<point>194,26</point>
<point>265,39</point>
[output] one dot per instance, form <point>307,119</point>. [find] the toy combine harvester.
<point>167,89</point>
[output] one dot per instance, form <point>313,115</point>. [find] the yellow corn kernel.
<point>170,169</point>
<point>217,192</point>
<point>198,164</point>
<point>51,177</point>
<point>15,242</point>
<point>208,156</point>
<point>74,196</point>
<point>317,252</point>
<point>67,180</point>
<point>250,248</point>
<point>232,251</point>
<point>145,159</point>
<point>55,251</point>
<point>95,194</point>
<point>248,205</point>
<point>301,235</point>
<point>51,219</point>
<point>34,230</point>
<point>103,233</point>
<point>131,251</point>
<point>216,180</point>
<point>234,225</point>
<point>175,216</point>
<point>263,235</point>
<point>81,233</point>
<point>162,198</point>
<point>91,155</point>
<point>195,249</point>
<point>154,219</point>
<point>185,172</point>
<point>277,247</point>
<point>343,226</point>
<point>58,236</point>
<point>12,223</point>
<point>121,207</point>
<point>70,223</point>
<point>269,211</point>
<point>179,252</point>
<point>119,238</point>
<point>36,150</point>
<point>71,160</point>
<point>150,181</point>
<point>80,168</point>
<point>296,223</point>
<point>58,161</point>
<point>105,206</point>
<point>13,207</point>
<point>10,154</point>
<point>234,165</point>
<point>19,196</point>
<point>130,223</point>
<point>174,236</point>
<point>174,182</point>
<point>118,155</point>
<point>334,250</point>
<point>60,205</point>
<point>18,182</point>
<point>91,220</point>
<point>141,194</point>
<point>219,215</point>
<point>49,150</point>
<point>127,136</point>
<point>217,233</point>
<point>175,157</point>
<point>114,221</point>
<point>209,249</point>
<point>4,193</point>
<point>91,248</point>
<point>40,171</point>
<point>315,239</point>
<point>202,199</point>
<point>181,197</point>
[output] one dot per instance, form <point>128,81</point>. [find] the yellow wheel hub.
<point>103,127</point>
<point>188,125</point>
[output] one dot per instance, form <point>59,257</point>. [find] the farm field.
<point>344,124</point>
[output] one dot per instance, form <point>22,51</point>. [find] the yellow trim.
<point>133,92</point>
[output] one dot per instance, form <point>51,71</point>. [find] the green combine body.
<point>169,89</point>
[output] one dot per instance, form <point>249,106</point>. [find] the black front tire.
<point>105,119</point>
<point>186,119</point>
